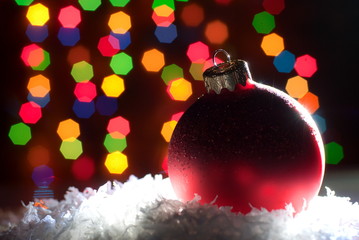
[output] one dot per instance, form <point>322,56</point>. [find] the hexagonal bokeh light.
<point>38,155</point>
<point>69,17</point>
<point>153,60</point>
<point>121,63</point>
<point>106,106</point>
<point>119,3</point>
<point>166,34</point>
<point>198,52</point>
<point>171,72</point>
<point>196,71</point>
<point>179,89</point>
<point>310,101</point>
<point>37,33</point>
<point>20,134</point>
<point>118,127</point>
<point>216,32</point>
<point>284,62</point>
<point>39,86</point>
<point>41,101</point>
<point>116,162</point>
<point>30,112</point>
<point>272,44</point>
<point>124,39</point>
<point>192,15</point>
<point>23,2</point>
<point>157,3</point>
<point>167,130</point>
<point>113,144</point>
<point>83,168</point>
<point>85,91</point>
<point>119,22</point>
<point>38,14</point>
<point>82,71</point>
<point>263,22</point>
<point>333,153</point>
<point>163,21</point>
<point>321,123</point>
<point>71,149</point>
<point>83,109</point>
<point>273,6</point>
<point>44,64</point>
<point>297,87</point>
<point>68,130</point>
<point>69,36</point>
<point>89,5</point>
<point>108,45</point>
<point>113,86</point>
<point>32,55</point>
<point>305,65</point>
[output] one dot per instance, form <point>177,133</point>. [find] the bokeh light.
<point>108,46</point>
<point>297,87</point>
<point>179,89</point>
<point>30,112</point>
<point>321,123</point>
<point>305,66</point>
<point>171,72</point>
<point>106,106</point>
<point>153,60</point>
<point>39,86</point>
<point>83,109</point>
<point>82,71</point>
<point>38,155</point>
<point>32,55</point>
<point>83,168</point>
<point>89,5</point>
<point>68,130</point>
<point>41,101</point>
<point>44,64</point>
<point>310,101</point>
<point>163,21</point>
<point>85,91</point>
<point>273,6</point>
<point>167,130</point>
<point>37,14</point>
<point>166,34</point>
<point>169,3</point>
<point>163,10</point>
<point>263,22</point>
<point>113,144</point>
<point>69,17</point>
<point>69,36</point>
<point>119,22</point>
<point>121,63</point>
<point>20,134</point>
<point>216,32</point>
<point>198,52</point>
<point>118,127</point>
<point>124,39</point>
<point>43,175</point>
<point>196,71</point>
<point>77,54</point>
<point>177,116</point>
<point>284,62</point>
<point>119,3</point>
<point>71,149</point>
<point>23,2</point>
<point>116,162</point>
<point>37,33</point>
<point>192,15</point>
<point>113,86</point>
<point>333,153</point>
<point>272,44</point>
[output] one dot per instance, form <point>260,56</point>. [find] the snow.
<point>147,208</point>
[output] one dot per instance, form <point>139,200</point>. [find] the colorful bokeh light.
<point>41,101</point>
<point>163,21</point>
<point>38,14</point>
<point>166,34</point>
<point>305,66</point>
<point>192,15</point>
<point>167,130</point>
<point>321,123</point>
<point>118,127</point>
<point>153,60</point>
<point>216,32</point>
<point>116,162</point>
<point>119,3</point>
<point>272,44</point>
<point>32,55</point>
<point>263,22</point>
<point>124,39</point>
<point>108,46</point>
<point>121,63</point>
<point>198,52</point>
<point>82,71</point>
<point>89,5</point>
<point>38,155</point>
<point>284,62</point>
<point>77,54</point>
<point>113,144</point>
<point>171,72</point>
<point>44,64</point>
<point>83,168</point>
<point>39,86</point>
<point>179,89</point>
<point>333,153</point>
<point>297,87</point>
<point>69,17</point>
<point>310,101</point>
<point>30,112</point>
<point>71,149</point>
<point>68,130</point>
<point>83,109</point>
<point>119,22</point>
<point>69,36</point>
<point>196,70</point>
<point>43,175</point>
<point>37,33</point>
<point>20,134</point>
<point>85,91</point>
<point>169,3</point>
<point>113,86</point>
<point>106,106</point>
<point>273,6</point>
<point>23,2</point>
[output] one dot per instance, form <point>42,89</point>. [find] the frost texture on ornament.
<point>147,208</point>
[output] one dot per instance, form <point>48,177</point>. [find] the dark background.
<point>327,30</point>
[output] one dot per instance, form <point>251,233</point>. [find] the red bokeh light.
<point>305,66</point>
<point>118,125</point>
<point>273,6</point>
<point>108,46</point>
<point>198,52</point>
<point>69,17</point>
<point>83,168</point>
<point>30,112</point>
<point>85,91</point>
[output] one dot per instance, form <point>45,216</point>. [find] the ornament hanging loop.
<point>219,51</point>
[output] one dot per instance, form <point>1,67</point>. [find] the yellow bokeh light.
<point>37,14</point>
<point>68,130</point>
<point>179,89</point>
<point>297,87</point>
<point>153,60</point>
<point>119,22</point>
<point>113,86</point>
<point>163,11</point>
<point>167,129</point>
<point>216,32</point>
<point>116,162</point>
<point>38,86</point>
<point>272,44</point>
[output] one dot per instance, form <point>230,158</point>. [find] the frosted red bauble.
<point>254,146</point>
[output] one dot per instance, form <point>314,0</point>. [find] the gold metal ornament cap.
<point>227,74</point>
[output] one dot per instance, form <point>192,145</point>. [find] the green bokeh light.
<point>333,153</point>
<point>119,3</point>
<point>82,71</point>
<point>90,5</point>
<point>20,134</point>
<point>44,64</point>
<point>157,3</point>
<point>114,144</point>
<point>71,149</point>
<point>263,22</point>
<point>171,72</point>
<point>121,63</point>
<point>23,2</point>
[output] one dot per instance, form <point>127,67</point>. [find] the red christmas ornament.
<point>245,144</point>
